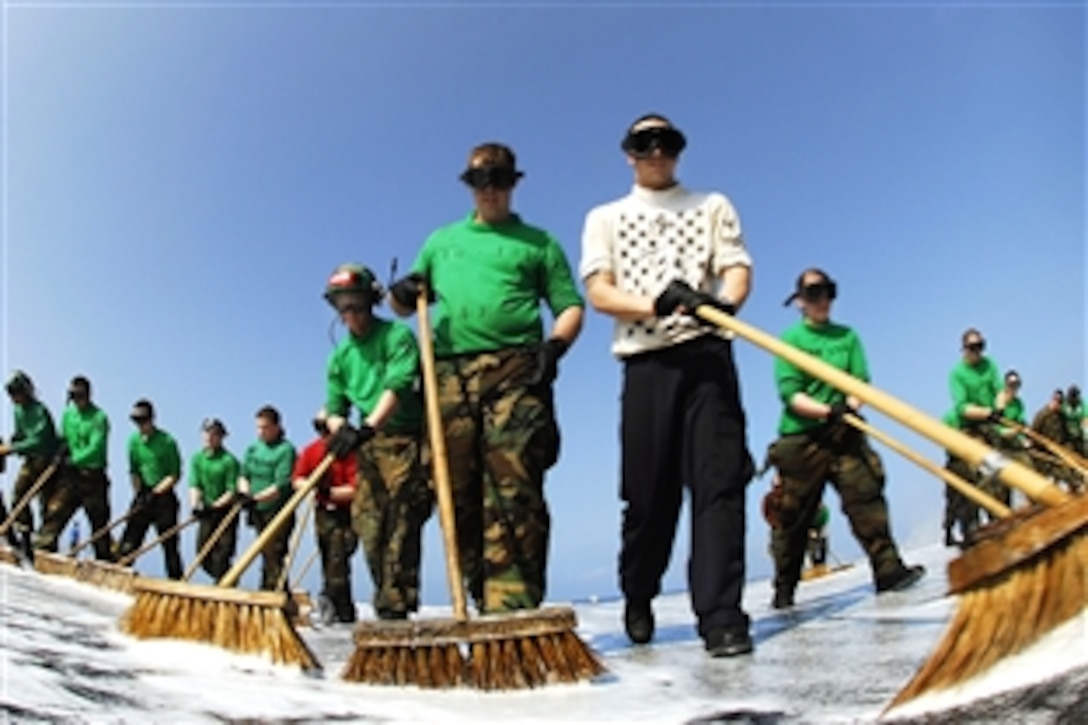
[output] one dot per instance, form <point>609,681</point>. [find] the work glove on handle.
<point>248,502</point>
<point>63,454</point>
<point>838,410</point>
<point>201,512</point>
<point>680,294</point>
<point>348,439</point>
<point>996,414</point>
<point>547,359</point>
<point>406,289</point>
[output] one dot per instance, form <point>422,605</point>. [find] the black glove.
<point>347,439</point>
<point>681,294</point>
<point>144,496</point>
<point>838,410</point>
<point>202,512</point>
<point>996,414</point>
<point>248,502</point>
<point>547,359</point>
<point>406,289</point>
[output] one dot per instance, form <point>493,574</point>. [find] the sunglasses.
<point>975,346</point>
<point>819,290</point>
<point>496,177</point>
<point>352,308</point>
<point>1013,383</point>
<point>668,141</point>
<point>139,419</point>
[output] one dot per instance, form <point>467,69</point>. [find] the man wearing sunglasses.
<point>375,368</point>
<point>974,384</point>
<point>648,260</point>
<point>155,467</point>
<point>817,446</point>
<point>83,480</point>
<point>495,367</point>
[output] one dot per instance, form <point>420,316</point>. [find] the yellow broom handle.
<point>212,541</point>
<point>988,502</point>
<point>172,531</point>
<point>962,446</point>
<point>28,496</point>
<point>102,532</point>
<point>278,522</point>
<point>296,539</point>
<point>305,568</point>
<point>1068,457</point>
<point>442,487</point>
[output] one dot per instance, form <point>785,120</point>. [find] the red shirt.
<point>340,473</point>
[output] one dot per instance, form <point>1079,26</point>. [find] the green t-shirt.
<point>360,369</point>
<point>972,385</point>
<point>838,346</point>
<point>490,280</point>
<point>154,458</point>
<point>266,465</point>
<point>35,433</point>
<point>213,473</point>
<point>87,433</point>
<point>1014,410</point>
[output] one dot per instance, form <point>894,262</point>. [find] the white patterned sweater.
<point>647,239</point>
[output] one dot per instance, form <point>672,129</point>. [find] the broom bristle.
<point>257,627</point>
<point>1005,616</point>
<point>51,564</point>
<point>8,556</point>
<point>498,652</point>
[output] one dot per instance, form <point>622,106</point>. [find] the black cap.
<point>799,285</point>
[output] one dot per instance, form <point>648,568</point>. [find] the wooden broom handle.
<point>296,539</point>
<point>102,532</point>
<point>305,569</point>
<point>212,540</point>
<point>440,464</point>
<point>1009,472</point>
<point>1068,457</point>
<point>172,531</point>
<point>278,522</point>
<point>983,499</point>
<point>31,492</point>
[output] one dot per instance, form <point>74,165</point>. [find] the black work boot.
<point>783,598</point>
<point>728,642</point>
<point>638,620</point>
<point>902,578</point>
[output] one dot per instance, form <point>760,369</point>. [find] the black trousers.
<point>683,425</point>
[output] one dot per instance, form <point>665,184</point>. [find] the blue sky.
<point>180,179</point>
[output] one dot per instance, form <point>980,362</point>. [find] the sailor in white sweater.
<point>648,260</point>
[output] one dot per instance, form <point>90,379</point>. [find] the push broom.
<point>119,576</point>
<point>257,623</point>
<point>7,555</point>
<point>47,562</point>
<point>522,649</point>
<point>1068,457</point>
<point>1019,583</point>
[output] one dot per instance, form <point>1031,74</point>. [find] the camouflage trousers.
<point>274,553</point>
<point>33,467</point>
<point>337,542</point>
<point>218,560</point>
<point>88,488</point>
<point>842,457</point>
<point>501,437</point>
<point>162,512</point>
<point>392,502</point>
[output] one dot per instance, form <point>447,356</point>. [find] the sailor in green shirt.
<point>154,463</point>
<point>265,485</point>
<point>974,384</point>
<point>495,368</point>
<point>35,439</point>
<point>213,488</point>
<point>816,446</point>
<point>83,479</point>
<point>375,369</point>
